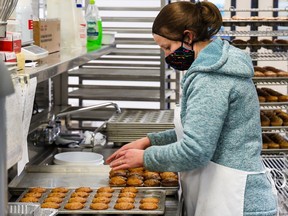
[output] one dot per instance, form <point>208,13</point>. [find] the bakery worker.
<point>216,143</point>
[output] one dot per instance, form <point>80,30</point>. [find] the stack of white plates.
<point>78,158</point>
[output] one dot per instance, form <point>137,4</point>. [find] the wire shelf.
<point>269,56</point>
<point>275,129</point>
<point>234,22</point>
<point>273,105</point>
<point>253,33</point>
<point>233,9</point>
<point>270,80</point>
<point>278,164</point>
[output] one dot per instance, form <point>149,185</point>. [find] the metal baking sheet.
<point>68,176</point>
<point>86,210</point>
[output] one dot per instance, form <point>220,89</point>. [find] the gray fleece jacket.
<point>221,123</point>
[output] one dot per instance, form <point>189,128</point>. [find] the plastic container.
<point>81,24</point>
<point>78,158</point>
<point>66,12</point>
<point>94,26</point>
<point>24,16</point>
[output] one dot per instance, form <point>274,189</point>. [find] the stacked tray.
<point>159,194</point>
<point>134,124</point>
<point>29,209</point>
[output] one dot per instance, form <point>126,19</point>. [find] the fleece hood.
<point>222,58</point>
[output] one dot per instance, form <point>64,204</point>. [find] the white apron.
<point>214,189</point>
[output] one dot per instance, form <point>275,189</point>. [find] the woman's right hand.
<point>141,144</point>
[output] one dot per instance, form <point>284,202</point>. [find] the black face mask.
<point>181,59</point>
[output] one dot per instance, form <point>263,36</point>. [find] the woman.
<point>216,142</point>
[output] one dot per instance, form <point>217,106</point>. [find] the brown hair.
<point>203,18</point>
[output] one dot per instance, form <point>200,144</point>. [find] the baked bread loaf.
<point>265,121</point>
<point>276,121</point>
<point>283,116</point>
<point>282,74</point>
<point>266,42</point>
<point>260,69</point>
<point>239,43</point>
<point>281,97</point>
<point>270,143</point>
<point>270,68</point>
<point>261,99</point>
<point>270,74</point>
<point>277,138</point>
<point>268,97</point>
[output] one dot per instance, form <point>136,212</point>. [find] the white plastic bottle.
<point>82,24</point>
<point>69,25</point>
<point>94,26</point>
<point>24,16</point>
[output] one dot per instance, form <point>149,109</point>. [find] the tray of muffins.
<point>102,200</point>
<point>140,177</point>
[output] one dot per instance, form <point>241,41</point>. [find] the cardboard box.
<point>46,34</point>
<point>11,43</point>
<point>8,56</point>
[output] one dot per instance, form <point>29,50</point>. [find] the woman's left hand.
<point>129,158</point>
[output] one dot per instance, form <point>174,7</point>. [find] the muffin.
<point>99,206</point>
<point>124,206</point>
<point>53,205</point>
<point>74,206</point>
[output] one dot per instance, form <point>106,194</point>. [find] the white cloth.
<point>214,189</point>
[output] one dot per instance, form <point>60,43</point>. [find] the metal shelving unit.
<point>128,63</point>
<point>267,33</point>
<point>278,165</point>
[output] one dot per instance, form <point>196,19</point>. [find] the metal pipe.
<point>3,162</point>
<point>84,109</point>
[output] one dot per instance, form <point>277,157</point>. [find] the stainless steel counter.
<point>59,62</point>
<point>44,160</point>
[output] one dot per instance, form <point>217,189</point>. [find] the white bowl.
<point>78,158</point>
